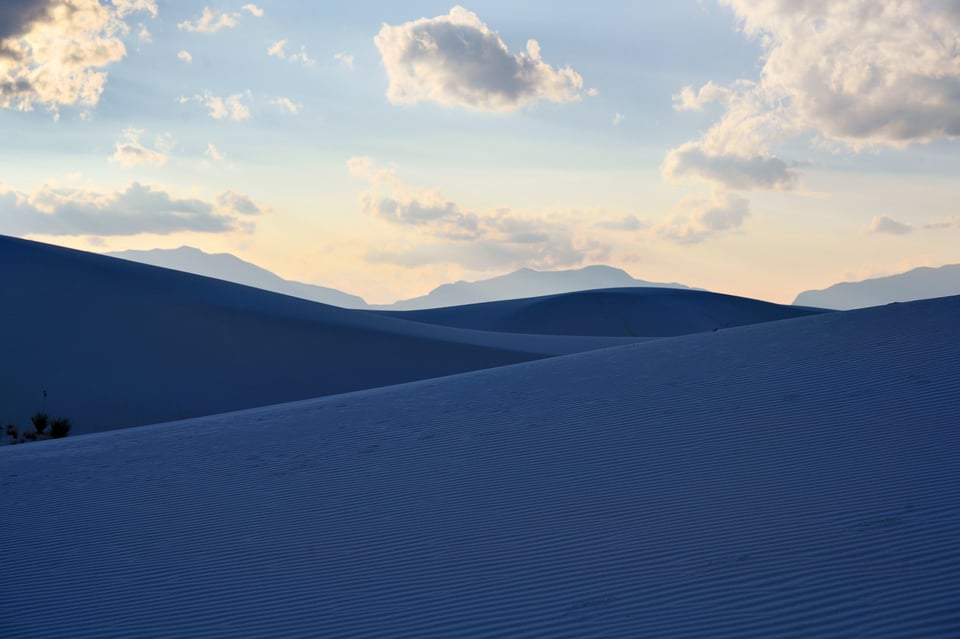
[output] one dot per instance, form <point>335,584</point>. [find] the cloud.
<point>143,33</point>
<point>947,224</point>
<point>279,50</point>
<point>617,119</point>
<point>210,21</point>
<point>863,74</point>
<point>231,107</point>
<point>445,232</point>
<point>124,7</point>
<point>345,59</point>
<point>185,56</point>
<point>128,151</point>
<point>253,9</point>
<point>61,211</point>
<point>690,100</point>
<point>287,105</point>
<point>51,51</point>
<point>884,224</point>
<point>457,60</point>
<point>626,223</point>
<point>214,153</point>
<point>697,219</point>
<point>237,203</point>
<point>728,169</point>
<point>846,72</point>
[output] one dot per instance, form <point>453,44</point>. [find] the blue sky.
<point>757,147</point>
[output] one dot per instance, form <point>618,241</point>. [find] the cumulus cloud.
<point>253,10</point>
<point>882,73</point>
<point>845,72</point>
<point>732,170</point>
<point>690,100</point>
<point>231,107</point>
<point>52,51</point>
<point>697,219</point>
<point>185,56</point>
<point>210,21</point>
<point>62,211</point>
<point>885,224</point>
<point>448,233</point>
<point>456,59</point>
<point>128,151</point>
<point>344,58</point>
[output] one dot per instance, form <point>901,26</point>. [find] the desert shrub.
<point>59,427</point>
<point>40,421</point>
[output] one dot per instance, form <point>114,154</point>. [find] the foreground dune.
<point>790,479</point>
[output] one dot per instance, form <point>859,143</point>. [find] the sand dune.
<point>650,312</point>
<point>789,479</point>
<point>116,343</point>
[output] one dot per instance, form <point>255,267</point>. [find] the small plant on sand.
<point>40,421</point>
<point>59,427</point>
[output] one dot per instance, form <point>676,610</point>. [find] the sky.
<point>752,147</point>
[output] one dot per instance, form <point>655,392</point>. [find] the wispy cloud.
<point>287,105</point>
<point>456,59</point>
<point>442,231</point>
<point>214,153</point>
<point>185,56</point>
<point>344,58</point>
<point>697,219</point>
<point>253,10</point>
<point>888,225</point>
<point>129,152</point>
<point>234,107</point>
<point>279,50</point>
<point>210,21</point>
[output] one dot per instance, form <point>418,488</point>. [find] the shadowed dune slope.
<point>649,312</point>
<point>115,343</point>
<point>789,479</point>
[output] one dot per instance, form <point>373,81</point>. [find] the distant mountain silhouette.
<point>918,284</point>
<point>522,284</point>
<point>224,266</point>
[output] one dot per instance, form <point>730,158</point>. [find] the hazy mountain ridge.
<point>917,284</point>
<point>524,283</point>
<point>224,266</point>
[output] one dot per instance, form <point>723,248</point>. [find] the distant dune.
<point>521,284</point>
<point>918,284</point>
<point>789,479</point>
<point>627,312</point>
<point>115,343</point>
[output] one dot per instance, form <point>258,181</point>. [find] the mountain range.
<point>920,283</point>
